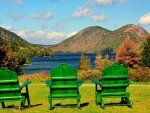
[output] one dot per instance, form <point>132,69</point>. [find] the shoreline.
<point>27,64</point>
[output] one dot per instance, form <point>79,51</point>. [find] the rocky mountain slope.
<point>97,39</point>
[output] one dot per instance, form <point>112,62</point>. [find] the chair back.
<point>9,85</point>
<point>114,78</point>
<point>64,80</point>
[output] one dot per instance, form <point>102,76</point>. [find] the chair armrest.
<point>79,82</point>
<point>2,68</point>
<point>48,83</point>
<point>128,81</point>
<point>96,81</point>
<point>25,84</point>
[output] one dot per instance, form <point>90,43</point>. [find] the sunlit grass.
<point>39,78</point>
<point>140,96</point>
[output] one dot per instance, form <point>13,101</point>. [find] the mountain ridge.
<point>98,39</point>
<point>8,35</point>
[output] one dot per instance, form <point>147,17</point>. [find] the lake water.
<point>45,64</point>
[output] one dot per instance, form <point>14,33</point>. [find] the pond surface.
<point>45,64</point>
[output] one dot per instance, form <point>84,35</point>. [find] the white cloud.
<point>98,18</point>
<point>8,27</point>
<point>38,33</point>
<point>36,37</point>
<point>55,35</point>
<point>103,2</point>
<point>42,16</point>
<point>145,20</point>
<point>19,2</point>
<point>81,12</point>
<point>39,36</point>
<point>108,2</point>
<point>21,33</point>
<point>71,34</point>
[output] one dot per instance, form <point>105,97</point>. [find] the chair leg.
<point>78,102</point>
<point>50,102</point>
<point>50,105</point>
<point>102,105</point>
<point>3,104</point>
<point>99,99</point>
<point>22,104</point>
<point>123,100</point>
<point>128,102</point>
<point>96,101</point>
<point>27,96</point>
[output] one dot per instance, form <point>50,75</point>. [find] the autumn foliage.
<point>7,60</point>
<point>127,54</point>
<point>101,63</point>
<point>84,63</point>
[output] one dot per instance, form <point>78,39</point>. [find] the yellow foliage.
<point>89,74</point>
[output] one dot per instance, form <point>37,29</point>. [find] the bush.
<point>89,74</point>
<point>86,73</point>
<point>141,74</point>
<point>38,77</point>
<point>100,63</point>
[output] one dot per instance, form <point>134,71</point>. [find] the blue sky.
<point>51,21</point>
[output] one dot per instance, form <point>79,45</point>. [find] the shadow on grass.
<point>71,105</point>
<point>116,104</point>
<point>24,107</point>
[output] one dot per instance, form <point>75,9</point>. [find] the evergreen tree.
<point>146,52</point>
<point>2,55</point>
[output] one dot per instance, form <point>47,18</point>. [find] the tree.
<point>101,63</point>
<point>7,59</point>
<point>2,54</point>
<point>146,52</point>
<point>97,62</point>
<point>127,54</point>
<point>84,63</point>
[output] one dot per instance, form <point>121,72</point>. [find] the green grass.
<point>140,96</point>
<point>141,83</point>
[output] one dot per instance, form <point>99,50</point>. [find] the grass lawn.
<point>140,96</point>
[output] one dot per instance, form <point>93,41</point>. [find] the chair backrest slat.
<point>9,85</point>
<point>64,80</point>
<point>114,78</point>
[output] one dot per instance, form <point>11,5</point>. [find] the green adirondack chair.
<point>10,90</point>
<point>113,85</point>
<point>63,84</point>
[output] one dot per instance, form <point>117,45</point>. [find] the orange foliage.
<point>127,54</point>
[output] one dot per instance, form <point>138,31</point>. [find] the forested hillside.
<point>15,51</point>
